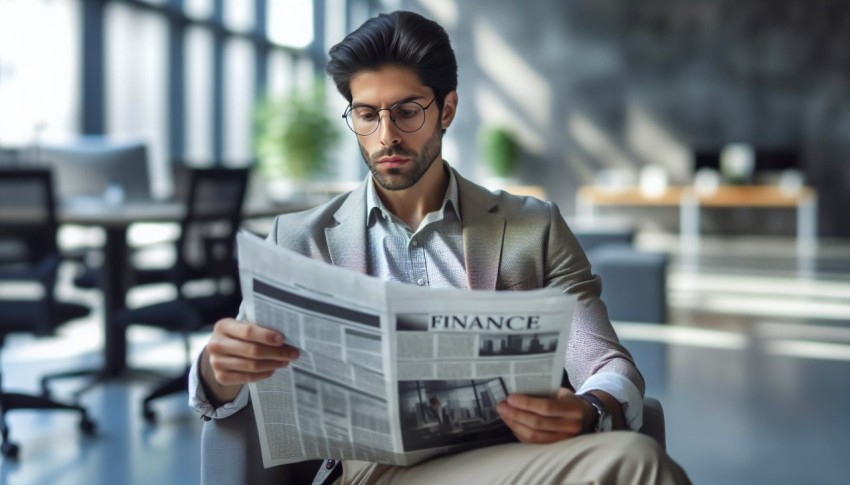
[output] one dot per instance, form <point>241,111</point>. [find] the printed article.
<point>392,373</point>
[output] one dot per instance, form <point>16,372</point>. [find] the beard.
<point>404,177</point>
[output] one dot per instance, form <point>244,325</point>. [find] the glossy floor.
<point>753,370</point>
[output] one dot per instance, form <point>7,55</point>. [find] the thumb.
<point>563,392</point>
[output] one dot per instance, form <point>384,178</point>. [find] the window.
<point>239,15</point>
<point>198,9</point>
<point>199,100</point>
<point>192,66</point>
<point>136,84</point>
<point>290,22</point>
<point>238,101</point>
<point>39,70</point>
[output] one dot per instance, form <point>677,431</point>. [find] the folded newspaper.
<point>392,373</point>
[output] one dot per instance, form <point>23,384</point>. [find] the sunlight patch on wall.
<point>527,91</point>
<point>772,307</point>
<point>580,167</point>
<point>808,350</point>
<point>444,12</point>
<point>655,144</point>
<point>695,337</point>
<point>596,143</point>
<point>806,331</point>
<point>493,109</point>
<point>759,285</point>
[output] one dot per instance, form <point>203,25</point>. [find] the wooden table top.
<point>723,196</point>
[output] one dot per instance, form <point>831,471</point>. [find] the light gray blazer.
<point>509,243</point>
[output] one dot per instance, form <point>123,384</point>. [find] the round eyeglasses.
<point>407,116</point>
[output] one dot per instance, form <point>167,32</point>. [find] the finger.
<point>563,393</point>
<point>250,332</point>
<point>530,435</point>
<point>230,378</point>
<point>247,366</point>
<point>544,406</point>
<point>528,419</point>
<point>252,351</point>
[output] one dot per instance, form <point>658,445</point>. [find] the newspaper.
<point>392,373</point>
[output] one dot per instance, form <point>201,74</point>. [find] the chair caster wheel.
<point>10,450</point>
<point>88,427</point>
<point>149,415</point>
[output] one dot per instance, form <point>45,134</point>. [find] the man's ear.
<point>449,109</point>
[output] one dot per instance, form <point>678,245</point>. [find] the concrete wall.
<point>619,83</point>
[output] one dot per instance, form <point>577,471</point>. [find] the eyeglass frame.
<point>392,118</point>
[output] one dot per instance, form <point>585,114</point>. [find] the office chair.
<point>29,254</point>
<point>205,253</point>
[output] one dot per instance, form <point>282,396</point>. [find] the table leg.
<point>689,222</point>
<point>585,210</point>
<point>114,291</point>
<point>807,227</point>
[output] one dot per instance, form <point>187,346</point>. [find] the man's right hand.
<point>239,353</point>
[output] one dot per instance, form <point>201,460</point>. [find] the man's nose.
<point>387,131</point>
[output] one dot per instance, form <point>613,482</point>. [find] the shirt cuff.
<point>623,390</point>
<point>199,402</point>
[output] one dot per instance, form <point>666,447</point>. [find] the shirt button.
<point>415,243</point>
<point>420,282</point>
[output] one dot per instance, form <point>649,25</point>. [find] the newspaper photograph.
<point>392,373</point>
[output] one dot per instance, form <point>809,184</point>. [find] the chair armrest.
<point>230,455</point>
<point>653,421</point>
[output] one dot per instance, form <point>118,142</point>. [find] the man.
<point>437,413</point>
<point>417,221</point>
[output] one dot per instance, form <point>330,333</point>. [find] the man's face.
<point>397,159</point>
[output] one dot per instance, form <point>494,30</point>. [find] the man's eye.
<point>365,114</point>
<point>406,112</point>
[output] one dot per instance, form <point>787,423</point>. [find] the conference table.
<point>114,220</point>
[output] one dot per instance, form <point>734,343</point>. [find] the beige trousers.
<point>620,457</point>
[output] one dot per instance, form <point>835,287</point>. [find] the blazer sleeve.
<point>593,346</point>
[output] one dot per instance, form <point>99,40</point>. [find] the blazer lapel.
<point>347,239</point>
<point>483,234</point>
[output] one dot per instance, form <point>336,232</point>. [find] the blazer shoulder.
<point>295,228</point>
<point>502,202</point>
<point>511,205</point>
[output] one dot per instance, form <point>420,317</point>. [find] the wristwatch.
<point>604,421</point>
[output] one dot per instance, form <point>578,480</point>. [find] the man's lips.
<point>392,162</point>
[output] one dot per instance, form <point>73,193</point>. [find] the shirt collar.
<point>374,204</point>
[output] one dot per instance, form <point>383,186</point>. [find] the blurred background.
<point>699,149</point>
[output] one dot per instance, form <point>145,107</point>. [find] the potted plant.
<point>294,138</point>
<point>500,149</point>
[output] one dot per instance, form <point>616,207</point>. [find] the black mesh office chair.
<point>205,253</point>
<point>29,253</point>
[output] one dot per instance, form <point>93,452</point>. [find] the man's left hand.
<point>542,420</point>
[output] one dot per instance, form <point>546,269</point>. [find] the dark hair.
<point>403,39</point>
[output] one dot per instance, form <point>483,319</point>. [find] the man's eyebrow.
<point>414,97</point>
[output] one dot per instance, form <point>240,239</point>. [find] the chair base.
<point>173,386</point>
<point>10,401</point>
<point>98,376</point>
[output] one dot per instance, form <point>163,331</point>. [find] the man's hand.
<point>239,353</point>
<point>543,420</point>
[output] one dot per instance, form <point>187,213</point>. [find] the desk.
<point>690,203</point>
<point>115,220</point>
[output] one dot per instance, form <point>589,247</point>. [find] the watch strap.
<point>601,412</point>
